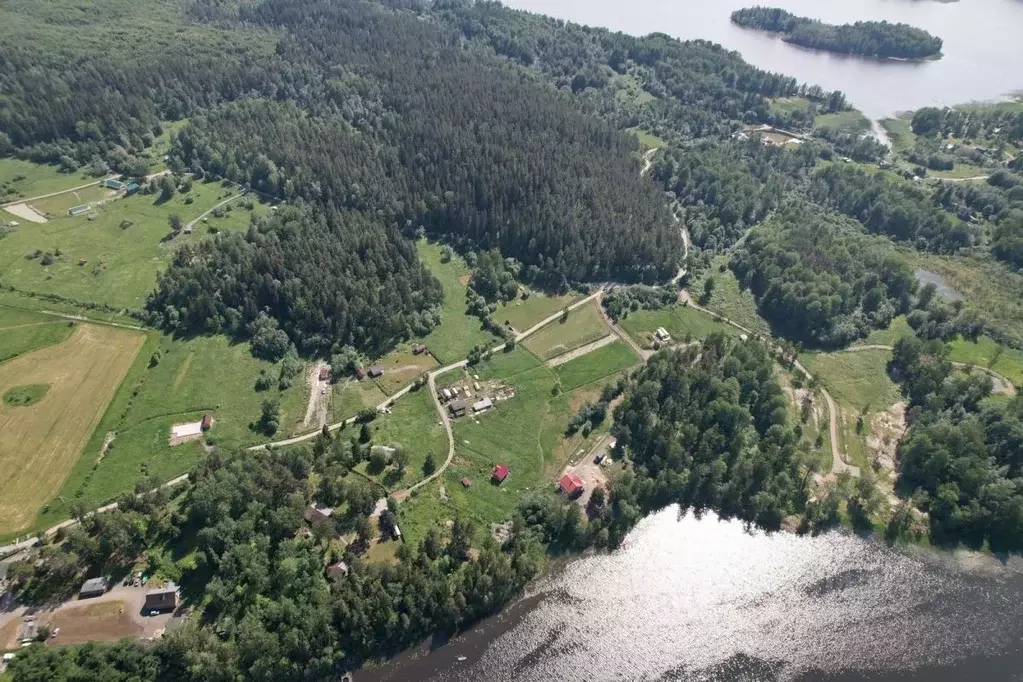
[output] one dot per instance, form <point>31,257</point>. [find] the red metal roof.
<point>571,484</point>
<point>501,472</point>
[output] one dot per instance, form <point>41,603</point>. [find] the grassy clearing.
<point>986,352</point>
<point>401,368</point>
<point>728,298</point>
<point>630,90</point>
<point>860,384</point>
<point>58,206</point>
<point>42,442</point>
<point>583,326</point>
<point>23,331</point>
<point>413,425</point>
<point>786,105</point>
<point>900,132</point>
<point>25,396</point>
<point>597,365</point>
<point>23,179</point>
<point>816,426</point>
<point>682,322</point>
<point>852,121</point>
<point>523,314</point>
<point>961,170</point>
<point>100,261</point>
<point>458,332</point>
<point>898,329</point>
<point>351,397</point>
<point>193,376</point>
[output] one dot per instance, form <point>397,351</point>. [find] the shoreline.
<point>784,37</point>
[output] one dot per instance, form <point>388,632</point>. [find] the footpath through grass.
<point>24,331</point>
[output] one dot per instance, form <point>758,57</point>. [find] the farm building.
<point>360,373</point>
<point>662,334</point>
<point>418,348</point>
<point>457,408</point>
<point>466,482</point>
<point>500,473</point>
<point>324,374</point>
<point>113,184</point>
<point>446,393</point>
<point>78,210</point>
<point>162,599</point>
<point>131,188</point>
<point>317,513</point>
<point>93,587</point>
<point>338,570</point>
<point>571,485</point>
<point>376,371</point>
<point>482,405</point>
<point>207,422</point>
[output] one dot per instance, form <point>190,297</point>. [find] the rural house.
<point>500,473</point>
<point>162,599</point>
<point>482,405</point>
<point>457,408</point>
<point>113,184</point>
<point>317,513</point>
<point>571,485</point>
<point>418,348</point>
<point>338,570</point>
<point>93,587</point>
<point>324,374</point>
<point>376,371</point>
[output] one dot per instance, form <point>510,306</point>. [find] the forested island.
<point>868,38</point>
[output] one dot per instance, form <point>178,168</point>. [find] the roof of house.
<point>162,597</point>
<point>570,484</point>
<point>321,508</point>
<point>457,406</point>
<point>481,405</point>
<point>94,585</point>
<point>376,370</point>
<point>207,419</point>
<point>466,481</point>
<point>324,374</point>
<point>340,568</point>
<point>501,472</point>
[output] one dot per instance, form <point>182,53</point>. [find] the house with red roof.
<point>500,473</point>
<point>571,485</point>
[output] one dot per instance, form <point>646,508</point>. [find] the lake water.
<point>983,51</point>
<point>704,600</point>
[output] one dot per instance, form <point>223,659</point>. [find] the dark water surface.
<point>701,599</point>
<point>983,52</point>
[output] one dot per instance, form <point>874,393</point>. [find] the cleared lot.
<point>41,442</point>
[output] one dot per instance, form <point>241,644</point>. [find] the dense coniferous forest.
<point>728,188</point>
<point>869,38</point>
<point>963,455</point>
<point>818,280</point>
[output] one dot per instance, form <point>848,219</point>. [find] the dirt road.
<point>1001,383</point>
<point>316,409</point>
<point>581,351</point>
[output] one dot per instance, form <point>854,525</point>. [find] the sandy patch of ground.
<point>464,280</point>
<point>27,212</point>
<point>319,395</point>
<point>886,429</point>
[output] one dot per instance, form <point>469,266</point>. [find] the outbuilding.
<point>93,587</point>
<point>418,348</point>
<point>482,405</point>
<point>571,485</point>
<point>324,373</point>
<point>162,599</point>
<point>500,473</point>
<point>376,371</point>
<point>317,513</point>
<point>338,570</point>
<point>207,422</point>
<point>457,408</point>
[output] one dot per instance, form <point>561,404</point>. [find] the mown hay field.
<point>41,442</point>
